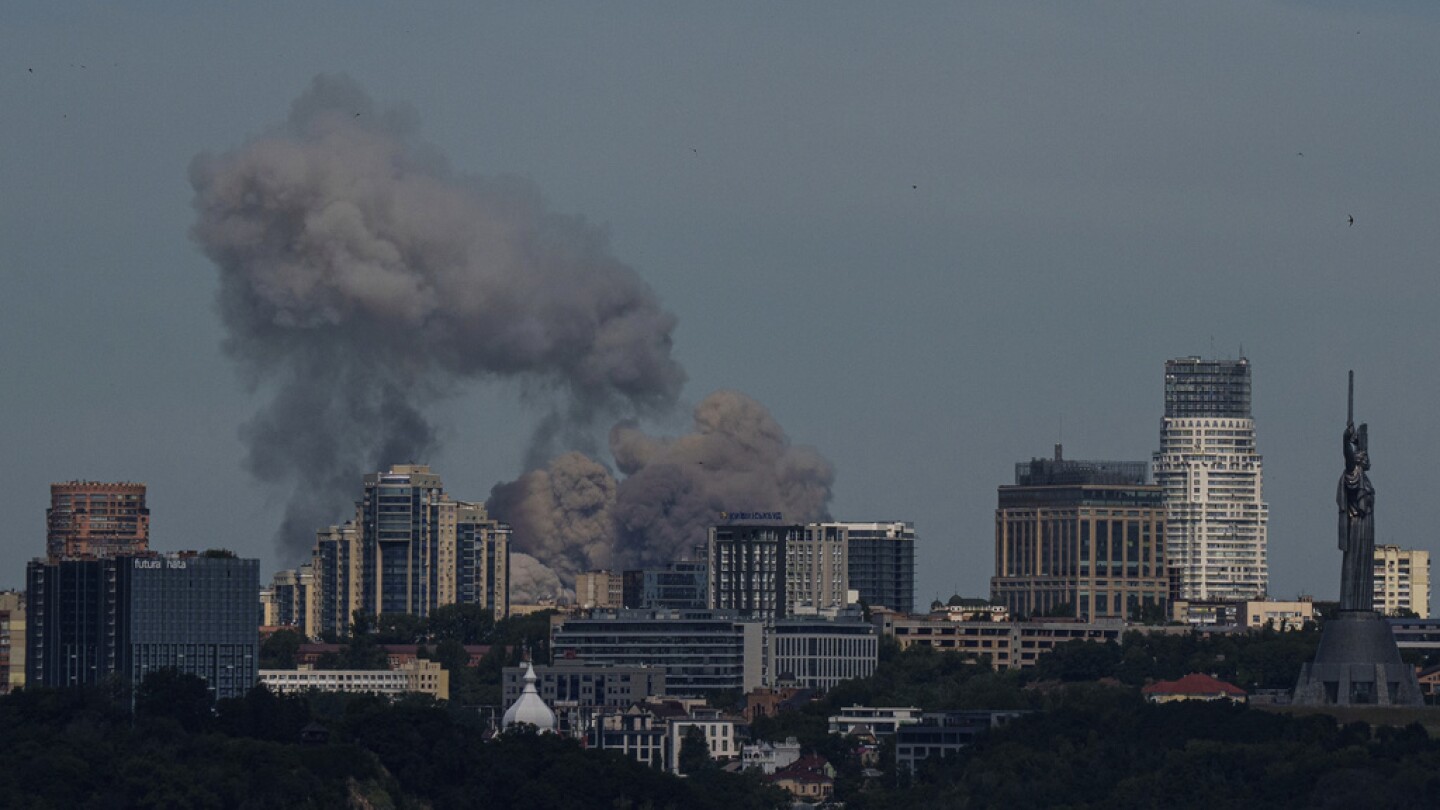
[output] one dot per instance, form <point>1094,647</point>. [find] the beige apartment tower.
<point>1402,581</point>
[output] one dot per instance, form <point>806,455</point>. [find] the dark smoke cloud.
<point>575,517</point>
<point>361,279</point>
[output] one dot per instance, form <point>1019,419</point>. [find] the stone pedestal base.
<point>1357,664</point>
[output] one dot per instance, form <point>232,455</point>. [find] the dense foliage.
<point>83,748</point>
<point>1103,747</point>
<point>1092,742</point>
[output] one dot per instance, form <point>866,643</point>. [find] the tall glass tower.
<point>1216,518</point>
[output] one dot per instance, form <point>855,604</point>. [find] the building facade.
<point>1005,645</point>
<point>412,677</point>
<point>1217,520</point>
<point>599,589</point>
<point>702,652</point>
<point>400,540</point>
<point>1402,581</point>
<point>881,557</point>
<point>339,578</point>
<point>681,585</point>
<point>293,601</point>
<point>748,567</point>
<point>569,683</point>
<point>1080,538</point>
<point>817,572</point>
<point>129,616</point>
<point>94,519</point>
<point>12,641</point>
<point>411,549</point>
<point>820,653</point>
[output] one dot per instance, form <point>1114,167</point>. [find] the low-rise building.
<point>703,652</point>
<point>572,683</point>
<point>653,732</point>
<point>1418,635</point>
<point>1195,686</point>
<point>1278,615</point>
<point>874,720</point>
<point>819,653</point>
<point>768,758</point>
<point>718,729</point>
<point>942,733</point>
<point>809,778</point>
<point>1006,645</point>
<point>422,677</point>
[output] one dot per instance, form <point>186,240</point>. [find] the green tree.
<point>694,751</point>
<point>464,623</point>
<point>179,696</point>
<point>278,651</point>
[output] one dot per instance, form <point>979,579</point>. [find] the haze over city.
<point>931,241</point>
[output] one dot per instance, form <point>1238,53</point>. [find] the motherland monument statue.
<point>1357,662</point>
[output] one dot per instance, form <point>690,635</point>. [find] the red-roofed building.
<point>1194,686</point>
<point>806,778</point>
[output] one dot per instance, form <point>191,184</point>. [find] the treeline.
<point>1092,741</point>
<point>85,748</point>
<point>1102,746</point>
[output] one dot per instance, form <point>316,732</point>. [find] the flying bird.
<point>1352,221</point>
<point>1301,154</point>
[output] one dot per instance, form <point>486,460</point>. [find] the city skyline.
<point>931,241</point>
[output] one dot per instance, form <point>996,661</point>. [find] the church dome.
<point>530,708</point>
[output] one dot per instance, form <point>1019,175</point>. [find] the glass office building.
<point>133,615</point>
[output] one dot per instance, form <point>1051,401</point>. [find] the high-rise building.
<point>294,601</point>
<point>1402,581</point>
<point>12,641</point>
<point>129,616</point>
<point>1081,538</point>
<point>481,571</point>
<point>338,578</point>
<point>817,573</point>
<point>1216,524</point>
<point>400,540</point>
<point>411,549</point>
<point>599,589</point>
<point>93,519</point>
<point>882,563</point>
<point>749,567</point>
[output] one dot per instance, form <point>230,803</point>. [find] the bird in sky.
<point>1301,154</point>
<point>1352,221</point>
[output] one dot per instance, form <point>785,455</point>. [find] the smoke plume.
<point>573,515</point>
<point>361,279</point>
<point>531,581</point>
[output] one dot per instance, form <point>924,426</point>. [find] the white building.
<point>419,676</point>
<point>768,758</point>
<point>719,734</point>
<point>878,720</point>
<point>1216,521</point>
<point>820,653</point>
<point>1402,581</point>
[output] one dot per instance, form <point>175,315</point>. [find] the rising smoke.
<point>574,515</point>
<point>361,279</point>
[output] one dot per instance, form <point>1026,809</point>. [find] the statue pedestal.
<point>1357,664</point>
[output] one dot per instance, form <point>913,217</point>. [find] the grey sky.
<point>922,236</point>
